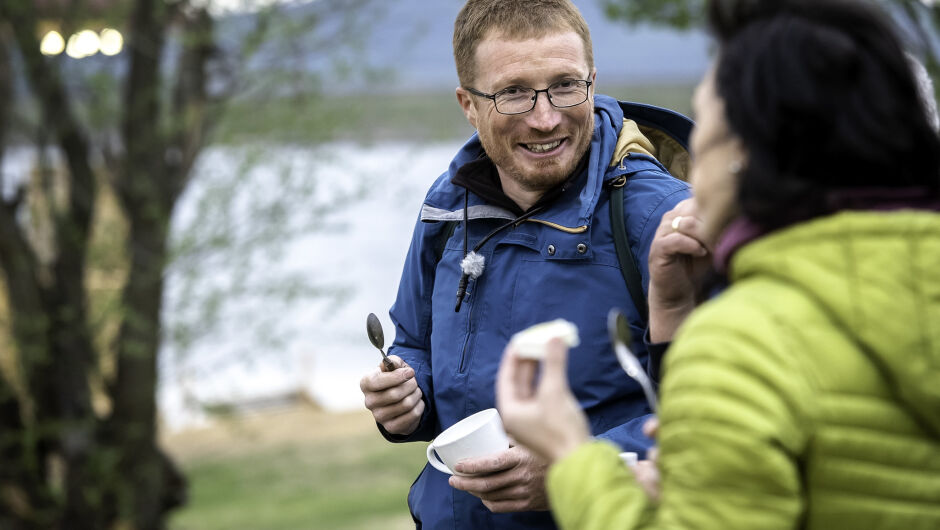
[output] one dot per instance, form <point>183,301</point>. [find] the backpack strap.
<point>441,242</point>
<point>628,268</point>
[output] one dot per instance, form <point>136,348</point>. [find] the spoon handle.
<point>387,364</point>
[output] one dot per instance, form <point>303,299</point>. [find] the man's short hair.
<point>515,20</point>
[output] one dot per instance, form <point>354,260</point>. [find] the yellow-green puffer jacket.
<point>807,395</point>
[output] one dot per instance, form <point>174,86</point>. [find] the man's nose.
<point>544,116</point>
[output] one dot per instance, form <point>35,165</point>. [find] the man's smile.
<point>544,147</point>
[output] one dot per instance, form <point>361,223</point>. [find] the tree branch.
<point>6,94</point>
<point>189,116</point>
<point>68,304</point>
<point>145,146</point>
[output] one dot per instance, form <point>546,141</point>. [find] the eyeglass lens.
<point>517,100</point>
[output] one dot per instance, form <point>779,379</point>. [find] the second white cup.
<point>476,435</point>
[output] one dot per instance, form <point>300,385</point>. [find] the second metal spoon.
<point>619,330</point>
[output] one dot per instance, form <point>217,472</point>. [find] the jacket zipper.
<point>461,367</point>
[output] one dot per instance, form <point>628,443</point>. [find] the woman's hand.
<point>678,260</point>
<point>545,417</point>
<point>646,471</point>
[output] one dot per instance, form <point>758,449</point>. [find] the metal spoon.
<point>377,338</point>
<point>619,330</point>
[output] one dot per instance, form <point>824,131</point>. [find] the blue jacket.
<point>455,355</point>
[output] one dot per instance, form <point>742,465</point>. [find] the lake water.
<point>322,347</point>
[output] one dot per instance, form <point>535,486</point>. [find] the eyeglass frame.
<point>535,100</point>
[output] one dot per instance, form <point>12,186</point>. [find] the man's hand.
<point>679,257</point>
<point>394,397</point>
<point>510,481</point>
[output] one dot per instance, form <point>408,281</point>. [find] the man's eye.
<point>512,91</point>
<point>565,84</point>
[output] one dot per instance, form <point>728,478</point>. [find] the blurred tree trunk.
<point>148,185</point>
<point>78,441</point>
<point>63,467</point>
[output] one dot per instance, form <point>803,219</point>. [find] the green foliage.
<point>682,14</point>
<point>919,19</point>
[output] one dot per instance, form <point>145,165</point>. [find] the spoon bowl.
<point>619,330</point>
<point>377,338</point>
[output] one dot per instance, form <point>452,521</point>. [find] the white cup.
<point>476,435</point>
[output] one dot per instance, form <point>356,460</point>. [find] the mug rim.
<point>477,419</point>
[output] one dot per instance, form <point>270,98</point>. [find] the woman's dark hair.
<point>824,99</point>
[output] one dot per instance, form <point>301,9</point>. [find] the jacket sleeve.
<point>649,193</point>
<point>730,441</point>
<point>411,315</point>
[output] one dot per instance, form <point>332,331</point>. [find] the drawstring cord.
<point>472,263</point>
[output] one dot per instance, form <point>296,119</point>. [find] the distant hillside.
<point>412,38</point>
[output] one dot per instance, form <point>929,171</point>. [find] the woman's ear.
<point>739,156</point>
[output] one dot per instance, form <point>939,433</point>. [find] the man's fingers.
<point>392,410</point>
<point>406,422</point>
<point>490,487</point>
<point>390,395</point>
<point>489,464</point>
<point>378,380</point>
<point>397,361</point>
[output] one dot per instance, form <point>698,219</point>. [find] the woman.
<point>807,394</point>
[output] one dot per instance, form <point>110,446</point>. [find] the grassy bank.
<point>295,470</point>
<point>413,117</point>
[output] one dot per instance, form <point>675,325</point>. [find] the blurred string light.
<point>83,44</point>
<point>52,44</point>
<point>112,42</point>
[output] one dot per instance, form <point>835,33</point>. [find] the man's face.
<point>540,148</point>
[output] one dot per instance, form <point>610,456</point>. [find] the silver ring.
<point>676,222</point>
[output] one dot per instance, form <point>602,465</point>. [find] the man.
<point>528,201</point>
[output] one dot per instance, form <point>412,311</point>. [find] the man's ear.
<point>465,99</point>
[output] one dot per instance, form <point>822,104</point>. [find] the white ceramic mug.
<point>476,435</point>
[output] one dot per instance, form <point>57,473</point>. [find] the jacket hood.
<point>620,129</point>
<point>877,275</point>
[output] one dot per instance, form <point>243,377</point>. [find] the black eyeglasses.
<point>520,99</point>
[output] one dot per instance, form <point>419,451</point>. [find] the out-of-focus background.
<point>202,201</point>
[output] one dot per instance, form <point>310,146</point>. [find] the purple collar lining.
<point>742,230</point>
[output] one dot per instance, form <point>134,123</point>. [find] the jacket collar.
<point>571,212</point>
